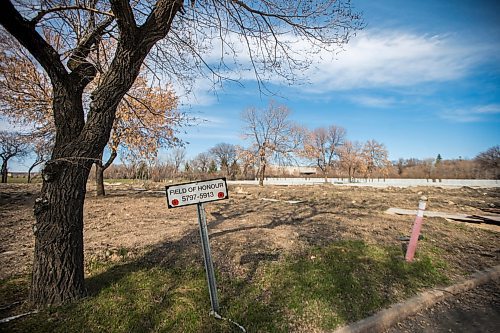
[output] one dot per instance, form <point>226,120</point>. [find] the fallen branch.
<point>6,320</point>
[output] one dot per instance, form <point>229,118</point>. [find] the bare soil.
<point>131,223</point>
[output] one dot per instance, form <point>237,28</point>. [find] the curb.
<point>385,319</point>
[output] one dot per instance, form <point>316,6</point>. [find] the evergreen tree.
<point>213,167</point>
<point>438,159</point>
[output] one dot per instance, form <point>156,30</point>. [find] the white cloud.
<point>200,92</point>
<point>472,114</point>
<point>374,102</point>
<point>395,59</point>
<point>4,125</point>
<point>372,59</point>
<point>219,136</point>
<point>211,122</point>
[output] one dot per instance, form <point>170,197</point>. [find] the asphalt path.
<point>476,310</point>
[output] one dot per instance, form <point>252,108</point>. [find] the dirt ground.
<point>132,222</point>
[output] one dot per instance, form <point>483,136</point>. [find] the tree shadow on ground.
<point>187,249</point>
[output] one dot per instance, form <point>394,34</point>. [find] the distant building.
<point>15,174</point>
<point>295,171</point>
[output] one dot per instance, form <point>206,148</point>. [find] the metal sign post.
<point>196,193</point>
<point>207,257</point>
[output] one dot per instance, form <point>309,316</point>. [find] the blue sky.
<point>423,78</point>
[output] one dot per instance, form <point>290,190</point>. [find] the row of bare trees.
<point>274,140</point>
<point>273,137</point>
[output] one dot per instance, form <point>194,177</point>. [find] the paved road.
<point>477,310</point>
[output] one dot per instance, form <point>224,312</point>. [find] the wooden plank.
<point>456,217</point>
<point>491,210</point>
<point>494,219</point>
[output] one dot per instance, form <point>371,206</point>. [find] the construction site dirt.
<point>258,224</point>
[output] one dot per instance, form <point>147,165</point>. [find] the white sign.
<point>196,192</point>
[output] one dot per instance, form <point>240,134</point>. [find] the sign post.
<point>197,193</point>
<point>207,258</point>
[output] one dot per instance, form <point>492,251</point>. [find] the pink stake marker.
<point>412,246</point>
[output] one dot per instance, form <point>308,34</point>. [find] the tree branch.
<point>24,31</point>
<point>124,18</point>
<point>42,13</point>
<point>159,22</point>
<point>83,49</point>
<point>110,159</point>
<point>284,18</point>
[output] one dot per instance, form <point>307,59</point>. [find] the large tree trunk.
<point>99,172</point>
<point>325,174</point>
<point>4,171</point>
<point>58,272</point>
<point>99,179</point>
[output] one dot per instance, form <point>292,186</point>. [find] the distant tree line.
<point>276,145</point>
<point>206,165</point>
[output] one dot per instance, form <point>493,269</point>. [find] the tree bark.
<point>4,171</point>
<point>325,174</point>
<point>58,271</point>
<point>99,179</point>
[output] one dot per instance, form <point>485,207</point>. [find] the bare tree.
<point>376,156</point>
<point>176,158</point>
<point>351,158</point>
<point>322,145</point>
<point>224,155</point>
<point>12,144</point>
<point>489,160</point>
<point>42,146</point>
<point>167,37</point>
<point>272,134</point>
<point>201,162</point>
<point>247,159</point>
<point>146,119</point>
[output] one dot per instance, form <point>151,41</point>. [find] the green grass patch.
<point>17,180</point>
<point>13,290</point>
<point>322,289</point>
<point>330,286</point>
<point>35,179</point>
<point>132,299</point>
